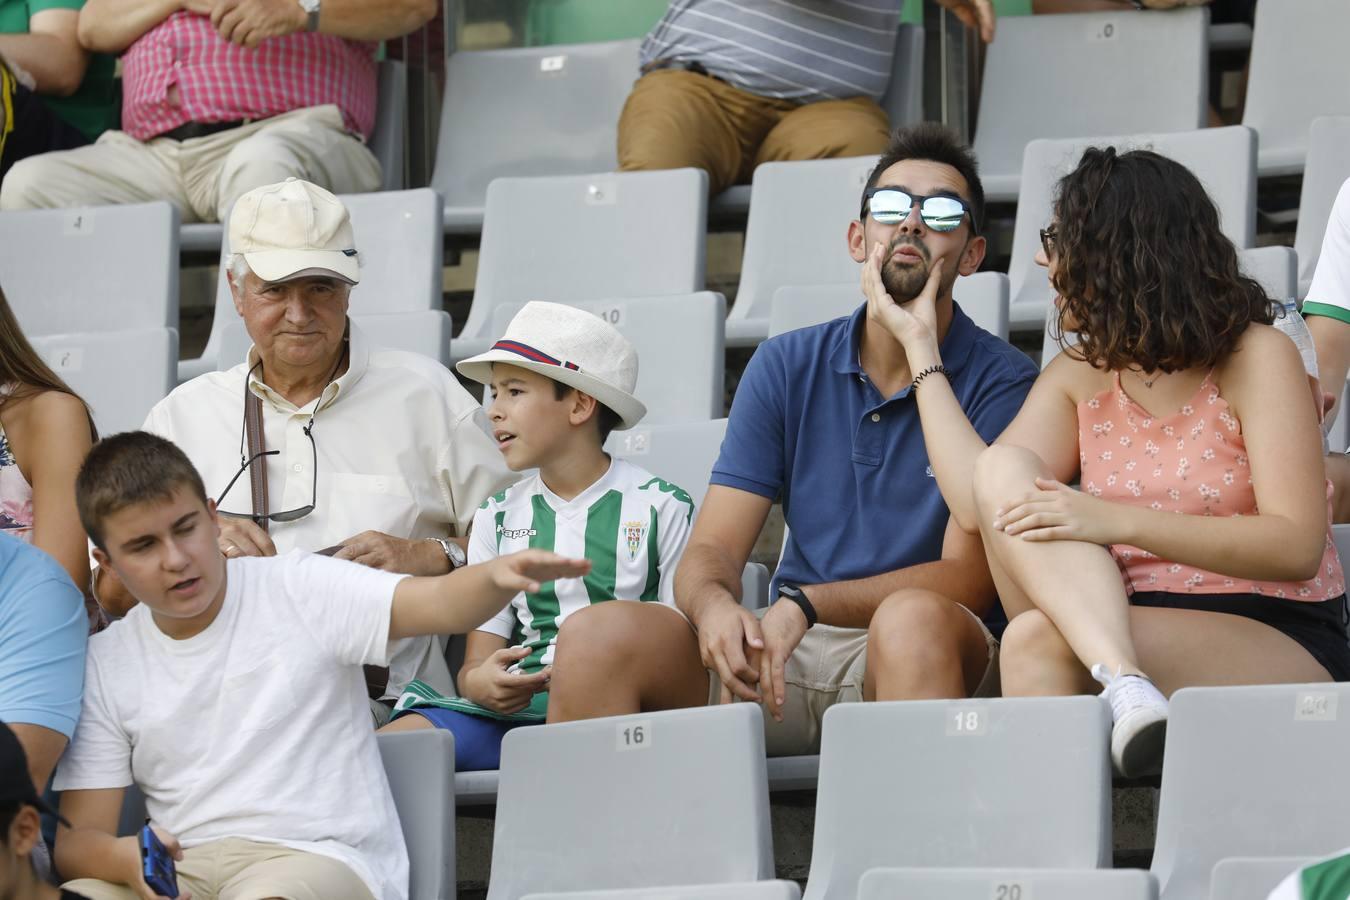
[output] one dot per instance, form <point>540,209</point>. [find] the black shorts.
<point>1318,627</point>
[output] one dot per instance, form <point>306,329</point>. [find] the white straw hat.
<point>292,229</point>
<point>572,346</point>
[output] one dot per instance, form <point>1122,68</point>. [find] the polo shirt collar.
<point>845,353</point>
<point>358,363</point>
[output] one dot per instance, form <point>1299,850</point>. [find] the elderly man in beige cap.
<point>319,441</point>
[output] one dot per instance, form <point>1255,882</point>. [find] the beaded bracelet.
<point>931,370</point>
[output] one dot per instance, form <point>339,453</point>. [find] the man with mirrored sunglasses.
<point>368,454</point>
<point>876,596</point>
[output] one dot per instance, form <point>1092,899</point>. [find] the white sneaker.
<point>1139,714</point>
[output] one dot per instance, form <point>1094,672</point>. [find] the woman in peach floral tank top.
<point>1198,549</point>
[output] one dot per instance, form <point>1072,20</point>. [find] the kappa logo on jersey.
<point>634,533</point>
<point>513,533</point>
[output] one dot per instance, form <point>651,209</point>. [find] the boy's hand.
<point>492,686</point>
<point>529,570</point>
<point>131,853</point>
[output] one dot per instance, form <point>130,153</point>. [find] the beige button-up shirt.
<point>401,448</point>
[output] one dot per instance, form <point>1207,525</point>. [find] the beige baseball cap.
<point>294,229</point>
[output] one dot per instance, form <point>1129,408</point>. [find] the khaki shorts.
<point>827,668</point>
<point>235,869</point>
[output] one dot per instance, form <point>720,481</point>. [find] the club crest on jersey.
<point>634,533</point>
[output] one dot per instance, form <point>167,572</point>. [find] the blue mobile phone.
<point>157,865</point>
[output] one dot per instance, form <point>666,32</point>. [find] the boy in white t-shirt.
<point>561,380</point>
<point>233,696</point>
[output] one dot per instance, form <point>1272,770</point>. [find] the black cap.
<point>15,784</point>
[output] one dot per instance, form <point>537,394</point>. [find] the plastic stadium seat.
<point>426,332</point>
<point>1223,792</point>
<point>1148,75</point>
<point>645,806</point>
<point>1325,175</point>
<point>681,453</point>
<point>96,367</point>
<point>680,348</point>
<point>1007,884</point>
<point>1298,71</point>
<point>92,269</point>
<point>797,234</point>
<point>578,238</point>
<point>750,890</point>
<point>982,296</point>
<point>1276,268</point>
<point>421,770</point>
<point>1341,535</point>
<point>533,111</point>
<point>398,234</point>
<point>1224,159</point>
<point>903,103</point>
<point>1251,878</point>
<point>981,783</point>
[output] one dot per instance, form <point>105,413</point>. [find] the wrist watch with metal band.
<point>798,596</point>
<point>311,8</point>
<point>453,552</point>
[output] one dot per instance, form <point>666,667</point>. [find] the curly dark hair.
<point>1146,276</point>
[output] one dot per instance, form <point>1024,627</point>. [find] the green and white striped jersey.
<point>1325,880</point>
<point>631,525</point>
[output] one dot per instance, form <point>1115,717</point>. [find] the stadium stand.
<point>671,334</point>
<point>1251,878</point>
<point>1006,884</point>
<point>1328,167</point>
<point>999,783</point>
<point>1223,786</point>
<point>750,890</point>
<point>1298,72</point>
<point>1149,75</point>
<point>584,237</point>
<point>1224,159</point>
<point>398,236</point>
<point>657,813</point>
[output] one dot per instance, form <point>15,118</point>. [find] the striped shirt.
<point>1325,880</point>
<point>631,525</point>
<point>803,50</point>
<point>218,81</point>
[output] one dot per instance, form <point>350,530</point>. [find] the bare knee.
<point>1001,473</point>
<point>1034,658</point>
<point>915,628</point>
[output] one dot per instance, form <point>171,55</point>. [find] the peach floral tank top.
<point>1193,462</point>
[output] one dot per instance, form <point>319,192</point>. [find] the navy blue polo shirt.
<point>850,465</point>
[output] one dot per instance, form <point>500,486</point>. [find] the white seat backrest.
<point>1327,174</point>
<point>751,890</point>
<point>1007,884</point>
<point>96,366</point>
<point>1251,878</point>
<point>420,767</point>
<point>682,453</point>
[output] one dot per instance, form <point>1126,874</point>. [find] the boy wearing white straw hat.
<point>561,380</point>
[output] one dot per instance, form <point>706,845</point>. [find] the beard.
<point>905,281</point>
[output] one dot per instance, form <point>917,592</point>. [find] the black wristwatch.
<point>798,596</point>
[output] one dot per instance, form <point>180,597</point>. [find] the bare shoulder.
<point>49,414</point>
<point>1074,377</point>
<point>1261,350</point>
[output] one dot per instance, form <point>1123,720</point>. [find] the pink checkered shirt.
<point>221,82</point>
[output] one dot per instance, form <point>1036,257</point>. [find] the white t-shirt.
<point>632,526</point>
<point>258,727</point>
<point>1329,293</point>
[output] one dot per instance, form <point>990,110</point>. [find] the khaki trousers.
<point>675,118</point>
<point>234,869</point>
<point>201,176</point>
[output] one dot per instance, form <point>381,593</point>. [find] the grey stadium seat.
<point>398,235</point>
<point>1007,884</point>
<point>1224,159</point>
<point>1325,175</point>
<point>680,348</point>
<point>749,890</point>
<point>95,365</point>
<point>426,332</point>
<point>578,238</point>
<point>421,770</point>
<point>1276,268</point>
<point>982,296</point>
<point>92,269</point>
<point>1020,783</point>
<point>1251,878</point>
<point>646,805</point>
<point>1298,71</point>
<point>1148,75</point>
<point>1250,771</point>
<point>532,111</point>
